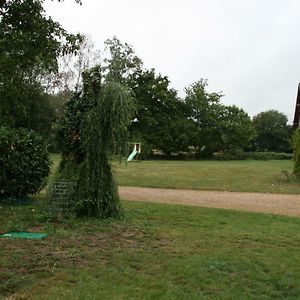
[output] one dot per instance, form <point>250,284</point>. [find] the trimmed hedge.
<point>240,155</point>
<point>24,163</point>
<point>230,155</point>
<point>269,156</point>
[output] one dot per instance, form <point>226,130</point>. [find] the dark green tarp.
<point>23,235</point>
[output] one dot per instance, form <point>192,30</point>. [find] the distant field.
<point>241,176</point>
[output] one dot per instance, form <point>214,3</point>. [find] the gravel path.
<point>281,204</point>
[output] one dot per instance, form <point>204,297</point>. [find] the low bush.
<point>24,163</point>
<point>230,155</point>
<point>269,156</point>
<point>241,155</point>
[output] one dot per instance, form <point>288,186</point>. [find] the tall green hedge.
<point>297,153</point>
<point>24,163</point>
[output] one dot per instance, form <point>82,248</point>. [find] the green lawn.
<point>241,176</point>
<point>157,252</point>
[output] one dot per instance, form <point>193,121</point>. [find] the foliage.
<point>204,111</point>
<point>218,127</point>
<point>75,120</point>
<point>297,153</point>
<point>236,129</point>
<point>269,156</point>
<point>24,162</point>
<point>30,44</point>
<point>230,155</point>
<point>273,134</point>
<point>56,136</point>
<point>160,120</point>
<point>121,63</point>
<point>71,66</point>
<point>106,125</point>
<point>241,155</point>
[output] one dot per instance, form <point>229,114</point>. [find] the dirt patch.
<point>281,204</point>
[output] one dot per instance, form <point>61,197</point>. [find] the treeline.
<point>199,123</point>
<point>41,79</point>
<point>167,125</point>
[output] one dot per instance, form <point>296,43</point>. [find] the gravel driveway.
<point>281,204</point>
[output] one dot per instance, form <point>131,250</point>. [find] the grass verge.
<point>157,252</point>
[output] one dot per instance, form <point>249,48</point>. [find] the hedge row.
<point>240,155</point>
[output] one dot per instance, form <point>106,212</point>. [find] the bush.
<point>269,156</point>
<point>241,155</point>
<point>297,153</point>
<point>24,163</point>
<point>230,155</point>
<point>204,153</point>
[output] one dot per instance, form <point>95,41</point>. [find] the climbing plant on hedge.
<point>106,124</point>
<point>297,153</point>
<point>24,163</point>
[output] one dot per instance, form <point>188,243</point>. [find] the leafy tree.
<point>205,111</point>
<point>42,114</point>
<point>120,65</point>
<point>30,44</point>
<point>71,67</point>
<point>160,119</point>
<point>5,3</point>
<point>56,137</point>
<point>77,109</point>
<point>273,133</point>
<point>121,61</point>
<point>236,129</point>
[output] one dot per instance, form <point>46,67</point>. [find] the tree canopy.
<point>273,134</point>
<point>204,110</point>
<point>160,120</point>
<point>236,129</point>
<point>30,44</point>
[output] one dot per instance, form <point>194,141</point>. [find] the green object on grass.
<point>24,235</point>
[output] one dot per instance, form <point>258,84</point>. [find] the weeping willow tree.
<point>106,125</point>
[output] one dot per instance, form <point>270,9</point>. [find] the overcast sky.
<point>248,49</point>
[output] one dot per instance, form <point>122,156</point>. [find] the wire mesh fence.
<point>61,196</point>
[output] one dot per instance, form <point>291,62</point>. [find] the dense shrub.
<point>240,155</point>
<point>230,155</point>
<point>24,162</point>
<point>269,156</point>
<point>297,153</point>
